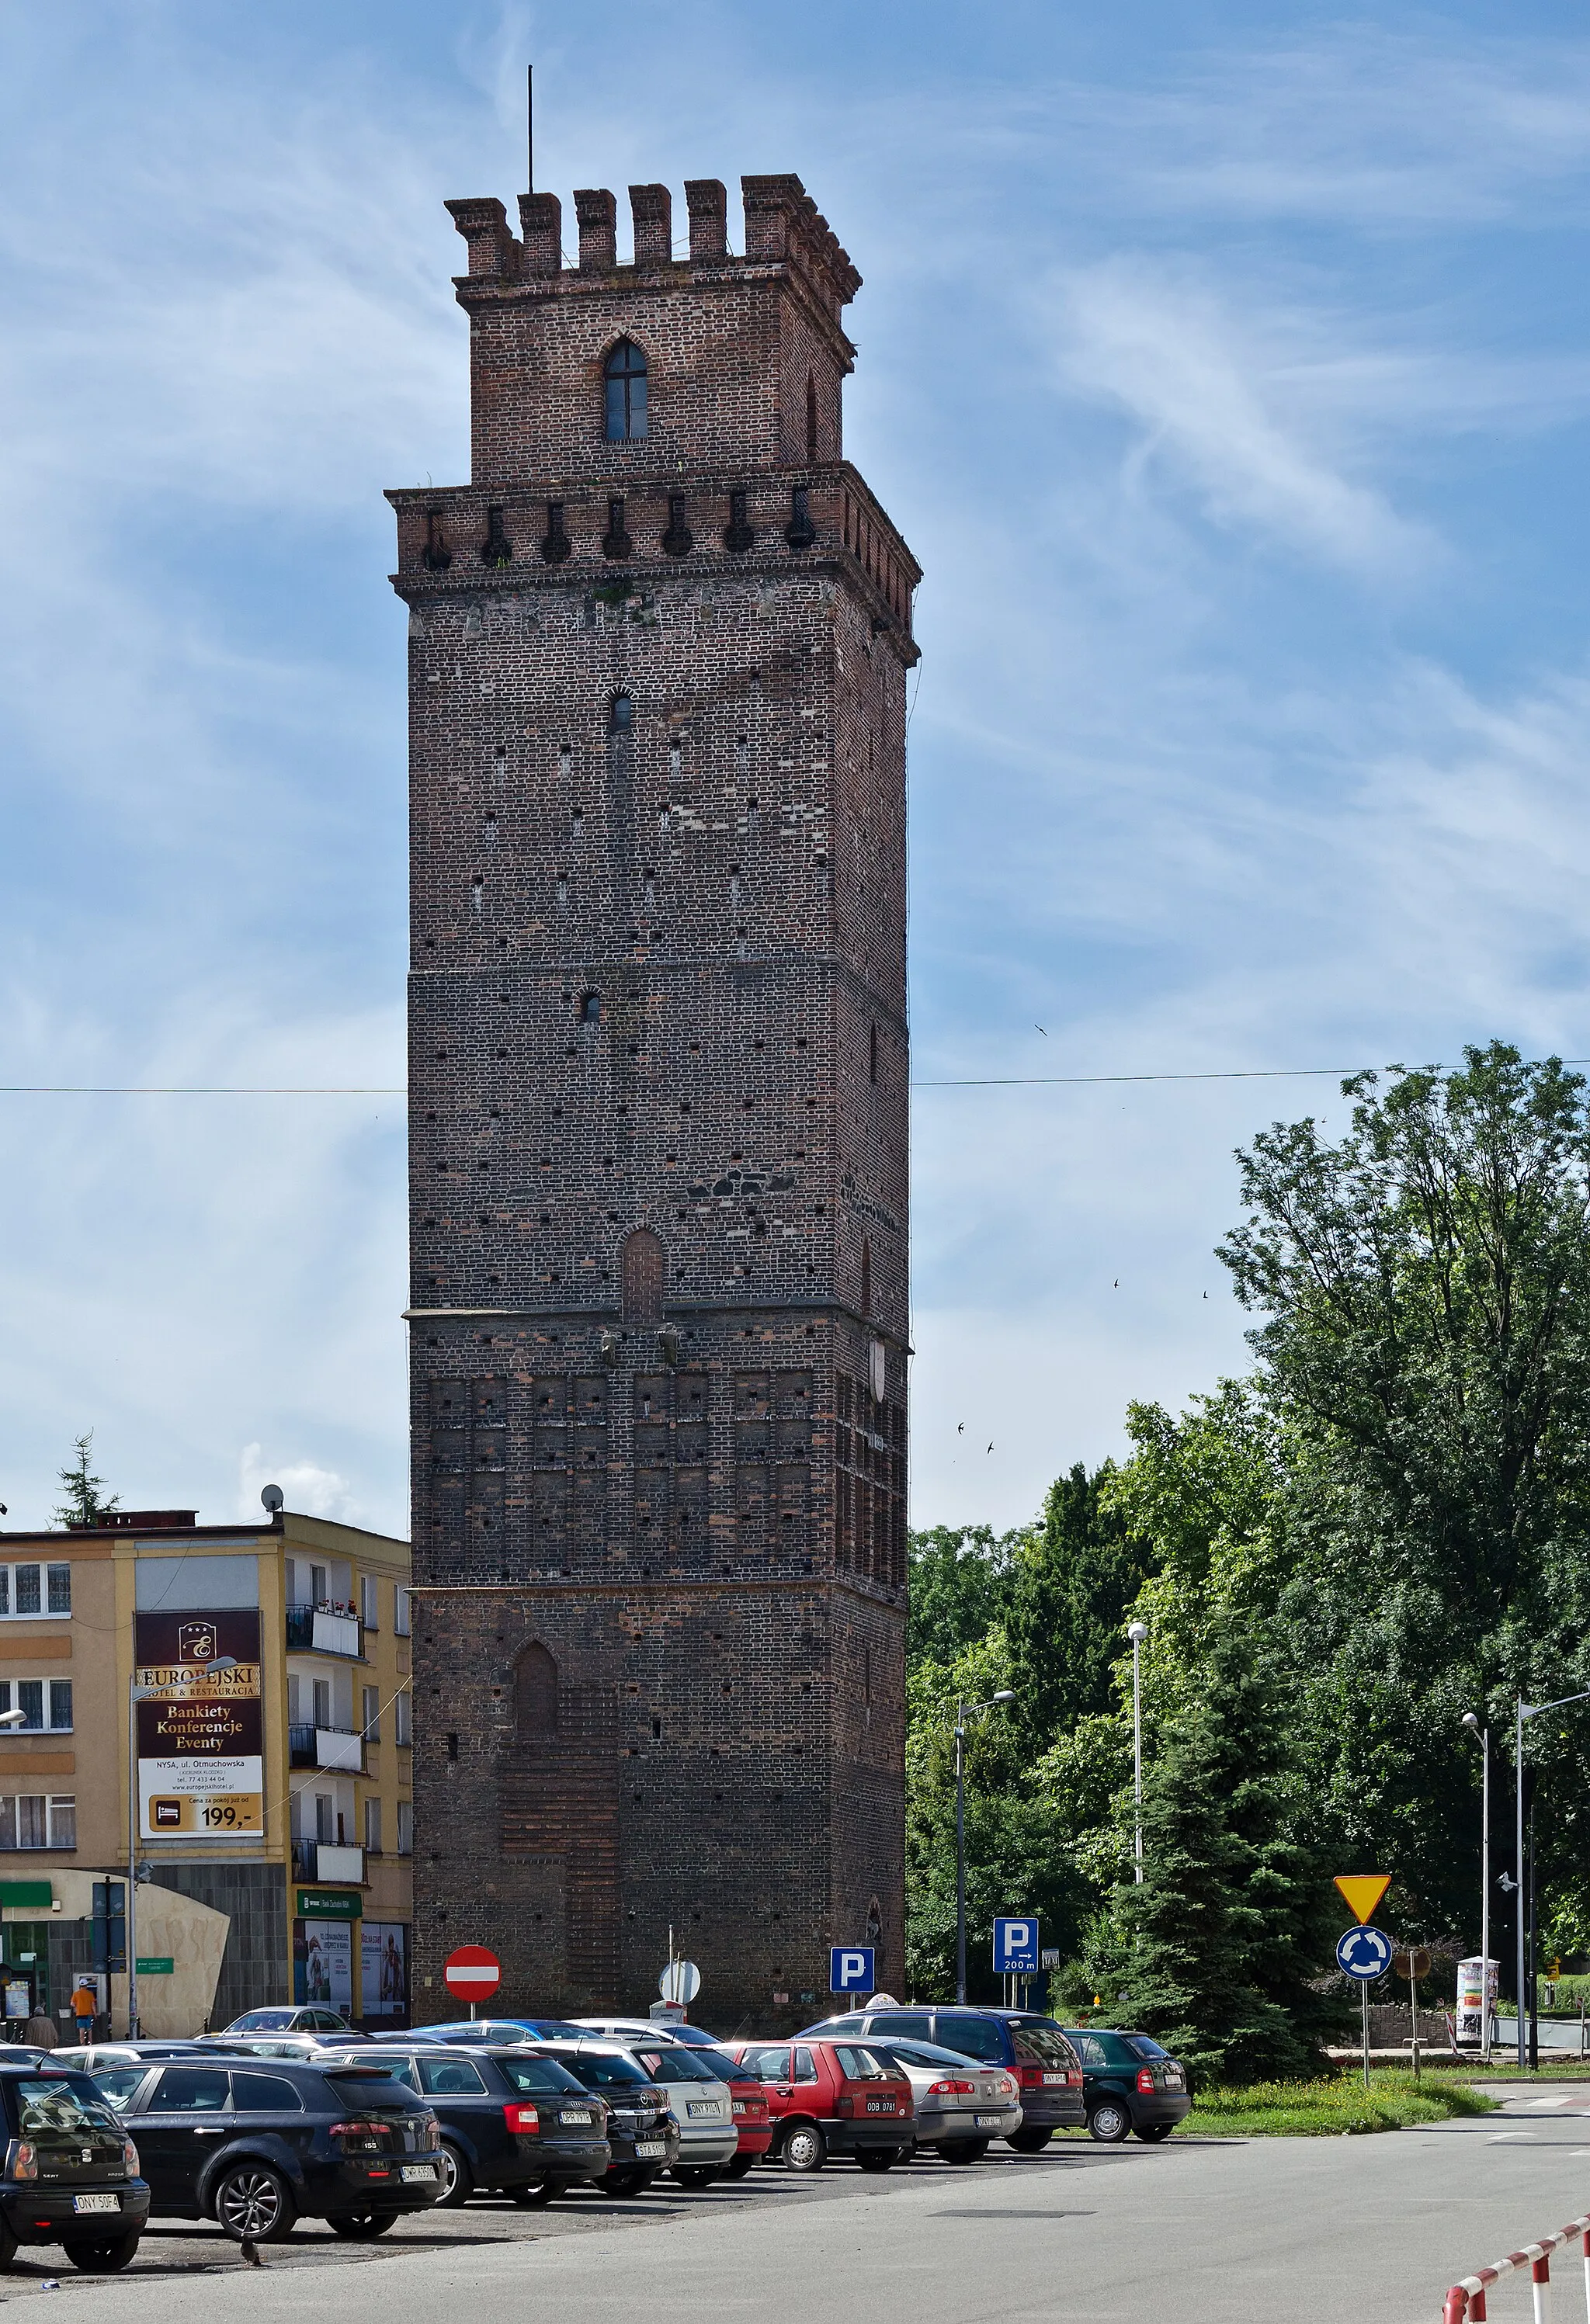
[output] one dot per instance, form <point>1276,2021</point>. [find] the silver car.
<point>702,2105</point>
<point>961,2104</point>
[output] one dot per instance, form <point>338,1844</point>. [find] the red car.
<point>831,2098</point>
<point>753,2119</point>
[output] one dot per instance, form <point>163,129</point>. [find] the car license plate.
<point>419,2175</point>
<point>1050,2080</point>
<point>1173,2077</point>
<point>651,2150</point>
<point>97,2203</point>
<point>707,2106</point>
<point>879,2105</point>
<point>573,2118</point>
<point>987,2121</point>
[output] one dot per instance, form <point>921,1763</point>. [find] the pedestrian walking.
<point>85,2010</point>
<point>39,2029</point>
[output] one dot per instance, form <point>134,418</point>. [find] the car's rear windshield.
<point>1046,2045</point>
<point>370,2093</point>
<point>43,2106</point>
<point>1143,2046</point>
<point>263,2021</point>
<point>676,2066</point>
<point>722,2067</point>
<point>923,2053</point>
<point>973,2037</point>
<point>536,2074</point>
<point>601,2069</point>
<point>859,2065</point>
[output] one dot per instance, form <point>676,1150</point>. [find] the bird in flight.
<point>991,1448</point>
<point>960,1428</point>
<point>1038,1028</point>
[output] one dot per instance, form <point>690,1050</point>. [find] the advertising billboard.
<point>383,1968</point>
<point>201,1730</point>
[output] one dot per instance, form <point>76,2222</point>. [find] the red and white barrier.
<point>1465,2303</point>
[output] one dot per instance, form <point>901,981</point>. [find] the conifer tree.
<point>85,1500</point>
<point>1213,1951</point>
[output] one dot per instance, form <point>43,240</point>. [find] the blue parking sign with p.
<point>1015,1947</point>
<point>850,1968</point>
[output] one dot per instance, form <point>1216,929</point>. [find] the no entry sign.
<point>472,1973</point>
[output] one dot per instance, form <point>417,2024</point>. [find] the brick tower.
<point>659,1091</point>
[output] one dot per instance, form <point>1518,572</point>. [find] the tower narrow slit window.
<point>624,372</point>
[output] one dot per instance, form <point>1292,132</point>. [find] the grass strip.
<point>1339,2107</point>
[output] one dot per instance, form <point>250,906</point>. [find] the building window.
<point>43,1703</point>
<point>369,1601</point>
<point>372,1714</point>
<point>38,1820</point>
<point>403,1721</point>
<point>372,1826</point>
<point>535,1695</point>
<point>26,1591</point>
<point>624,372</point>
<point>399,1611</point>
<point>405,1827</point>
<point>642,1268</point>
<point>621,714</point>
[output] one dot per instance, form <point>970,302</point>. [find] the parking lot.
<point>1214,2231</point>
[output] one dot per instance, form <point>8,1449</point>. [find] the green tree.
<point>84,1501</point>
<point>1423,1287</point>
<point>959,1578</point>
<point>1071,1584</point>
<point>1215,1950</point>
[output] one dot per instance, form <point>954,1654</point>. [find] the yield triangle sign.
<point>1362,1891</point>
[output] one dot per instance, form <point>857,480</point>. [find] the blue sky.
<point>1229,372</point>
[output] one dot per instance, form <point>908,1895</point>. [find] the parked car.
<point>961,2106</point>
<point>71,2175</point>
<point>305,2047</point>
<point>256,2149</point>
<point>702,2104</point>
<point>651,2029</point>
<point>518,2123</point>
<point>285,2020</point>
<point>1129,2083</point>
<point>753,2115</point>
<point>1032,2048</point>
<point>490,2029</point>
<point>642,2132</point>
<point>747,2098</point>
<point>832,2097</point>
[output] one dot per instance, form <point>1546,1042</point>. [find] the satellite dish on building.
<point>272,1498</point>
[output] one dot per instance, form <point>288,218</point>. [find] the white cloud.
<point>1223,413</point>
<point>311,1490</point>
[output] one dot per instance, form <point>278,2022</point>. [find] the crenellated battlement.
<point>783,227</point>
<point>738,354</point>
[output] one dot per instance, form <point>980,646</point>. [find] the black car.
<point>1032,2048</point>
<point>642,2131</point>
<point>256,2146</point>
<point>71,2174</point>
<point>510,2119</point>
<point>1130,2084</point>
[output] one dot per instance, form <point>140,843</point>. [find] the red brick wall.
<point>658,984</point>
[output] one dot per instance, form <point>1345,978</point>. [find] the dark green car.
<point>1129,2083</point>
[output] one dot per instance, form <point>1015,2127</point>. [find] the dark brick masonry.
<point>659,1091</point>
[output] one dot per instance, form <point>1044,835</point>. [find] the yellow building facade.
<point>225,1711</point>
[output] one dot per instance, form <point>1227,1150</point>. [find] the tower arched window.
<point>624,373</point>
<point>535,1695</point>
<point>621,714</point>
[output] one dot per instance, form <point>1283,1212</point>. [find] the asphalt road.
<point>1202,2231</point>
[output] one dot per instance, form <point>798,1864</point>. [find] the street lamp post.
<point>1484,1735</point>
<point>1137,1633</point>
<point>963,1711</point>
<point>1527,1710</point>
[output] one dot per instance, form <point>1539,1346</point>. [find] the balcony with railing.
<point>326,1629</point>
<point>320,1859</point>
<point>310,1746</point>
